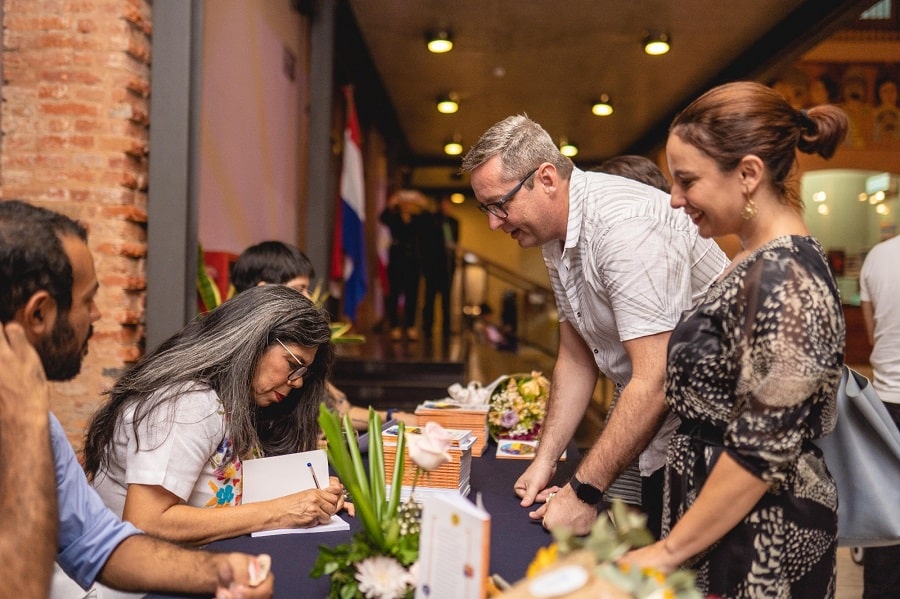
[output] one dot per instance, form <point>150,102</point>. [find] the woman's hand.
<point>655,556</point>
<point>311,507</point>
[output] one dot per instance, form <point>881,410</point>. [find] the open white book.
<point>277,476</point>
<point>454,548</point>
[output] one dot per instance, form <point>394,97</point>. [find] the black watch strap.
<point>586,492</point>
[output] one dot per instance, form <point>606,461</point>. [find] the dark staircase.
<point>402,374</point>
<point>396,384</point>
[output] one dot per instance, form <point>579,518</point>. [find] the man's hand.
<point>531,485</point>
<point>242,576</point>
<point>563,509</point>
<point>30,512</point>
<point>23,386</point>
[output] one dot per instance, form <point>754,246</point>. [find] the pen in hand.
<point>313,472</point>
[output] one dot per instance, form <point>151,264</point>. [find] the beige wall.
<point>251,168</point>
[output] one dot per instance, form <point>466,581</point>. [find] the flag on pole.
<point>348,256</point>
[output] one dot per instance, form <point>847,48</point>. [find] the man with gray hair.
<point>623,267</point>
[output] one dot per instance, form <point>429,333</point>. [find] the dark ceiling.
<point>551,58</point>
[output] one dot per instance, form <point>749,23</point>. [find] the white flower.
<point>429,449</point>
<point>382,577</point>
<point>414,574</point>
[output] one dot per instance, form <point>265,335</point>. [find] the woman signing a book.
<point>242,381</point>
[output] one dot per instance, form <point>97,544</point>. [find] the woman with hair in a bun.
<point>753,369</point>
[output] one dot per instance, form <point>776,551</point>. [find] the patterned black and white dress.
<point>752,371</point>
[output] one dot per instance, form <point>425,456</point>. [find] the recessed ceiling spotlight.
<point>454,146</point>
<point>448,104</point>
<point>457,198</point>
<point>657,44</point>
<point>602,106</point>
<point>567,148</point>
<point>439,41</point>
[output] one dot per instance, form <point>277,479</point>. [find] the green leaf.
<point>206,287</point>
<point>347,462</point>
<point>349,591</point>
<point>349,339</point>
<point>376,464</point>
<point>397,476</point>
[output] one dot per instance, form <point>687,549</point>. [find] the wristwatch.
<point>586,492</point>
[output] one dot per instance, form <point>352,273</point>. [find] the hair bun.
<point>805,122</point>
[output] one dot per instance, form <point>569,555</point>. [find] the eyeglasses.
<point>496,208</point>
<point>298,372</point>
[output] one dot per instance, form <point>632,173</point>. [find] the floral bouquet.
<point>518,405</point>
<point>600,551</point>
<point>380,561</point>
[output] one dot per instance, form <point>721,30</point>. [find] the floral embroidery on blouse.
<point>228,485</point>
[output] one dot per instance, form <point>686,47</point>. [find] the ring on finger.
<point>550,496</point>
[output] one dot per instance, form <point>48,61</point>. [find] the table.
<point>514,537</point>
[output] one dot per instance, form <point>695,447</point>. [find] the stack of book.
<point>456,416</point>
<point>452,477</point>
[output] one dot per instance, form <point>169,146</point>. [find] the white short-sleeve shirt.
<point>879,283</point>
<point>184,448</point>
<point>630,266</point>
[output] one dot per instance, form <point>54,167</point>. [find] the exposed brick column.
<point>74,139</point>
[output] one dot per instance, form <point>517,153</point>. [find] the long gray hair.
<point>221,350</point>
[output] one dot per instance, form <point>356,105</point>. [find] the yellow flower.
<point>654,574</point>
<point>531,388</point>
<point>545,556</point>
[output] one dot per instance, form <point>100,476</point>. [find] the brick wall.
<point>74,139</point>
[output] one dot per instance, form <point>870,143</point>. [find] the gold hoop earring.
<point>749,211</point>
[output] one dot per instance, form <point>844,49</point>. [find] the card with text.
<point>454,548</point>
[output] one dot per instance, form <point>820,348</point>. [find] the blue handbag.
<point>863,456</point>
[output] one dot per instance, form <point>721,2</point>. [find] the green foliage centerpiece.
<point>379,559</point>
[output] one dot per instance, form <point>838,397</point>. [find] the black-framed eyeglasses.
<point>298,372</point>
<point>496,208</point>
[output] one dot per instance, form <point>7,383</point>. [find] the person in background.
<point>637,168</point>
<point>402,216</point>
<point>273,263</point>
<point>753,369</point>
<point>623,267</point>
<point>47,291</point>
<point>886,115</point>
<point>244,380</point>
<point>279,263</point>
<point>490,332</point>
<point>879,288</point>
<point>440,236</point>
